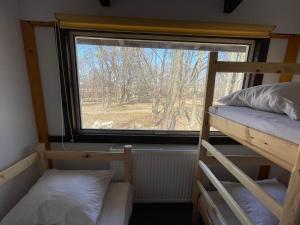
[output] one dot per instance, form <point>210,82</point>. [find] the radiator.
<point>161,175</point>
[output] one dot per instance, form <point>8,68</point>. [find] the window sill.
<point>215,139</point>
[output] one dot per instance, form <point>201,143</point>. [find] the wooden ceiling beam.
<point>230,5</point>
<point>105,3</point>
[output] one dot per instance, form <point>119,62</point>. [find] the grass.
<point>125,116</point>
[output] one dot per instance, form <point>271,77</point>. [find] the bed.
<point>116,206</point>
<point>256,211</point>
<point>261,131</point>
<point>273,136</point>
<point>267,122</point>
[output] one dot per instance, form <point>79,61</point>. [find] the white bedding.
<point>275,124</point>
<point>117,206</point>
<point>256,211</point>
<point>63,197</point>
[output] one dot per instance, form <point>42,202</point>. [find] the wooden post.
<point>128,163</point>
<point>291,209</point>
<point>35,81</point>
<point>204,132</point>
<point>43,161</point>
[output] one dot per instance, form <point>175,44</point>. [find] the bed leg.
<point>291,209</point>
<point>195,197</point>
<point>128,163</point>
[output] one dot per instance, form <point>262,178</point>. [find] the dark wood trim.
<point>35,81</point>
<point>284,36</point>
<point>105,3</point>
<point>43,23</point>
<point>291,56</point>
<point>231,5</point>
<point>144,139</point>
<point>263,172</point>
<point>260,55</point>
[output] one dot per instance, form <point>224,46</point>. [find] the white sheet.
<point>256,211</point>
<point>117,206</point>
<point>275,124</point>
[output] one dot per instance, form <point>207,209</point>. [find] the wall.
<point>17,125</point>
<point>284,14</point>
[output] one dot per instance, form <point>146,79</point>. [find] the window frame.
<point>70,91</point>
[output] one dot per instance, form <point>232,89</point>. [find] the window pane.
<point>148,85</point>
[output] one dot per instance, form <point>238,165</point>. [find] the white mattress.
<point>117,206</point>
<point>275,124</point>
<point>256,211</point>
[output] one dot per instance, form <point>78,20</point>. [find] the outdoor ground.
<point>129,116</point>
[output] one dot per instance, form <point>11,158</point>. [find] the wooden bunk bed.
<point>117,205</point>
<point>278,151</point>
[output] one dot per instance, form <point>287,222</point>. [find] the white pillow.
<point>279,98</point>
<point>62,198</point>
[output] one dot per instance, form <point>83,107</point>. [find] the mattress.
<point>117,205</point>
<point>275,124</point>
<point>256,211</point>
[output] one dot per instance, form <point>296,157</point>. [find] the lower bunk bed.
<point>70,197</point>
<point>217,211</point>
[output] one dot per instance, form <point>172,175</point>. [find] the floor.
<point>161,214</point>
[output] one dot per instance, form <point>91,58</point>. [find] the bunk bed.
<point>117,203</point>
<point>270,142</point>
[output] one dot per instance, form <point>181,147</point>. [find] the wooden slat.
<point>84,155</point>
<point>290,215</point>
<point>257,67</point>
<point>35,81</point>
<point>290,57</point>
<point>203,209</point>
<point>211,204</point>
<point>17,168</point>
<point>142,25</point>
<point>236,209</point>
<point>277,150</point>
<point>248,183</point>
<point>208,100</point>
<point>252,160</point>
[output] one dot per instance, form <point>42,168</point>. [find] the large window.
<point>138,87</point>
<point>128,84</point>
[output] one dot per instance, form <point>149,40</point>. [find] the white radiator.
<point>161,175</point>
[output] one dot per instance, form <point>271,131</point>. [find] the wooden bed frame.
<point>281,152</point>
<point>43,157</point>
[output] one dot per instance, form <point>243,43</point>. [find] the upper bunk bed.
<point>273,136</point>
<point>246,125</point>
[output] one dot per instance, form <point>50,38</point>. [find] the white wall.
<point>284,14</point>
<point>17,125</point>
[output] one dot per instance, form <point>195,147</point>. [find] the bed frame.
<point>43,157</point>
<point>277,151</point>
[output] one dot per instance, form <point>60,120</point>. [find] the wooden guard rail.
<point>249,184</point>
<point>42,156</point>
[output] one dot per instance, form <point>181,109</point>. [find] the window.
<point>145,85</point>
